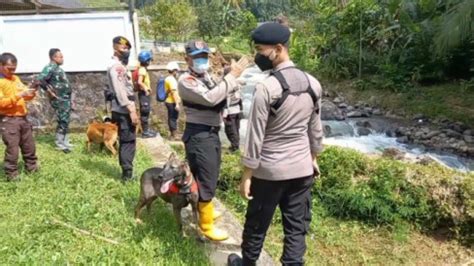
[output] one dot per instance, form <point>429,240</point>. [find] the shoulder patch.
<point>190,82</point>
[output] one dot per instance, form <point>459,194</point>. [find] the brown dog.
<point>174,183</point>
<point>102,133</point>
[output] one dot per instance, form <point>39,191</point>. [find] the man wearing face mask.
<point>123,105</point>
<point>283,139</point>
<point>203,101</point>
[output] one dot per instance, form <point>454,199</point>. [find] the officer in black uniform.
<point>123,104</point>
<point>203,100</point>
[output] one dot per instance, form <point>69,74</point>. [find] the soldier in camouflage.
<point>54,81</point>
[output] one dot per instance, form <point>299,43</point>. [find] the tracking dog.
<point>174,183</point>
<point>105,133</point>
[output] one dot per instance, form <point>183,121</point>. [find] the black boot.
<point>148,134</point>
<point>127,175</point>
<point>234,260</point>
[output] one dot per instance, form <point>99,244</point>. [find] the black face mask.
<point>123,57</point>
<point>263,62</point>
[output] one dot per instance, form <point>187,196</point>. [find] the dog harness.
<point>187,189</point>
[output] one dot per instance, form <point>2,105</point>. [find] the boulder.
<point>363,123</point>
<point>403,139</point>
<point>343,105</point>
<point>338,100</point>
<point>432,134</point>
<point>377,112</point>
<point>327,130</point>
<point>350,108</point>
<point>354,114</point>
<point>467,132</point>
<point>363,131</point>
<point>330,111</point>
<point>468,139</point>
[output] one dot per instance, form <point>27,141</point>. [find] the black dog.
<point>174,183</point>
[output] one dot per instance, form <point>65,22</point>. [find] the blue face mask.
<point>200,65</point>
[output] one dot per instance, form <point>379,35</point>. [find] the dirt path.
<point>218,251</point>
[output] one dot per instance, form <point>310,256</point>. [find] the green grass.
<point>84,190</point>
<point>352,239</point>
<point>453,101</point>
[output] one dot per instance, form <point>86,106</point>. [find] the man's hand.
<point>317,172</point>
<point>236,68</point>
<point>245,183</point>
<point>133,114</point>
<point>51,94</point>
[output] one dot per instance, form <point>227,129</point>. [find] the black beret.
<point>271,33</point>
<point>122,40</point>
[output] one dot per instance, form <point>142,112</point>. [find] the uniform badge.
<point>190,82</point>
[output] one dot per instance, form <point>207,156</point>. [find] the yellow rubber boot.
<point>206,222</point>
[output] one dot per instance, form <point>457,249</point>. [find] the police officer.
<point>54,81</point>
<point>203,100</point>
<point>123,105</point>
<point>283,139</point>
<point>232,114</point>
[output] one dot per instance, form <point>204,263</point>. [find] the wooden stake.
<point>84,232</point>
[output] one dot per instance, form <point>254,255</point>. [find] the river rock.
<point>432,134</point>
<point>468,139</point>
<point>354,114</point>
<point>350,108</point>
<point>452,133</point>
<point>390,133</point>
<point>368,110</point>
<point>363,131</point>
<point>467,132</point>
<point>330,111</point>
<point>364,123</point>
<point>403,139</point>
<point>401,131</point>
<point>393,153</point>
<point>327,130</point>
<point>343,105</point>
<point>458,127</point>
<point>377,112</point>
<point>338,100</point>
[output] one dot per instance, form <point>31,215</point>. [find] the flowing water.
<point>344,133</point>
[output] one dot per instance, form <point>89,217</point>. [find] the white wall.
<point>85,39</point>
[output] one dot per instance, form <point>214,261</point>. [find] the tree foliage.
<point>169,20</point>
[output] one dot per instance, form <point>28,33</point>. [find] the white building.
<point>84,36</point>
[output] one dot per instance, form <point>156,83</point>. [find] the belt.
<point>196,128</point>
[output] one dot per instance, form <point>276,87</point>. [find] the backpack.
<point>286,91</point>
<point>135,76</point>
<point>161,93</point>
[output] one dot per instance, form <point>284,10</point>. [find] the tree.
<point>456,26</point>
<point>170,20</point>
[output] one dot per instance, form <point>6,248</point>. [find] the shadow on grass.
<point>159,223</point>
<point>105,168</point>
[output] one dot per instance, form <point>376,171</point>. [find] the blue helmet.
<point>144,56</point>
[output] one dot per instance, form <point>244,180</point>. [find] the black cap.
<point>271,33</point>
<point>122,40</point>
<point>196,47</point>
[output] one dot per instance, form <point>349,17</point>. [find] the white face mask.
<point>200,65</point>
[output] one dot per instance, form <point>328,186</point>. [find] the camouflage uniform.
<point>54,76</point>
